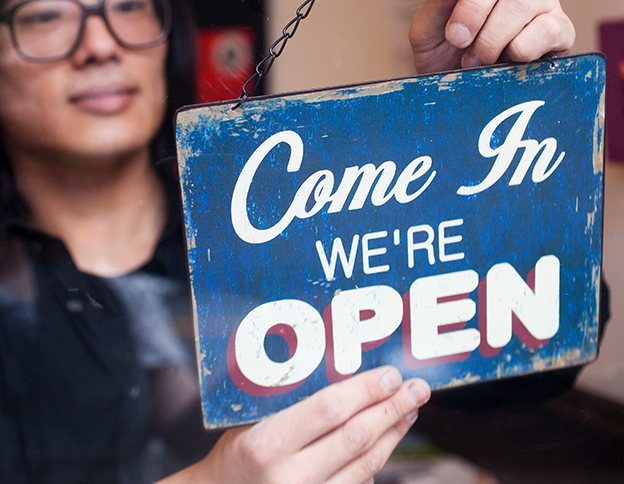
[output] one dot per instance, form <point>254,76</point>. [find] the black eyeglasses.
<point>50,30</point>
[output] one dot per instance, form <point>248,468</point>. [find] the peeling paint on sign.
<point>450,225</point>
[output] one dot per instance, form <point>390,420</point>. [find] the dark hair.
<point>180,74</point>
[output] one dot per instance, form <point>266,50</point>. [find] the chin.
<point>119,141</point>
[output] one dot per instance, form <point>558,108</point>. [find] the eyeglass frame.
<point>87,11</point>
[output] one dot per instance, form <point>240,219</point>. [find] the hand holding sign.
<point>449,34</point>
<point>343,434</point>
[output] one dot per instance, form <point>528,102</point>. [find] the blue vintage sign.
<point>449,225</point>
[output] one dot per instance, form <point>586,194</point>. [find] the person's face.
<point>101,102</point>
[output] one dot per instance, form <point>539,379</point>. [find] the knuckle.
<point>551,34</point>
<point>254,453</point>
<point>557,30</point>
<point>488,47</point>
<point>251,454</point>
<point>421,46</point>
<point>552,27</point>
<point>394,410</point>
<point>474,7</point>
<point>372,462</point>
<point>416,38</point>
<point>519,51</point>
<point>402,427</point>
<point>373,389</point>
<point>422,42</point>
<point>356,437</point>
<point>523,8</point>
<point>330,408</point>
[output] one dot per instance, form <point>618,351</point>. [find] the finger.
<point>466,21</point>
<point>431,51</point>
<point>326,410</point>
<point>427,30</point>
<point>372,461</point>
<point>357,436</point>
<point>506,21</point>
<point>547,34</point>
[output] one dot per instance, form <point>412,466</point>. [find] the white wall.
<point>586,15</point>
<point>341,42</point>
<point>348,41</point>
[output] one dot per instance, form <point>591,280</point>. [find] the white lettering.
<point>443,241</point>
<point>367,253</point>
<point>240,218</point>
<point>368,174</point>
<point>329,268</point>
<point>537,310</point>
<point>506,152</point>
<point>350,332</point>
<point>439,307</point>
<point>426,244</point>
<point>416,169</point>
<point>428,315</point>
<point>319,188</point>
<point>251,356</point>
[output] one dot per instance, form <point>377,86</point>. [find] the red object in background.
<point>224,62</point>
<point>612,40</point>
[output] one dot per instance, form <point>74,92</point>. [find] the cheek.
<point>25,100</point>
<point>152,77</point>
<point>158,82</point>
<point>158,100</point>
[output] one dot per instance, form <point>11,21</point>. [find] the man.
<point>89,230</point>
<point>445,35</point>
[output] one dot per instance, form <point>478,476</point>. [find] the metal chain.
<point>275,51</point>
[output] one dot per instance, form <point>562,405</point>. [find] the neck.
<point>109,212</point>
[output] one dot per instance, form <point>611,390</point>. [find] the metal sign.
<point>449,225</point>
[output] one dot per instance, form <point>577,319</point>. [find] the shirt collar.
<point>17,224</point>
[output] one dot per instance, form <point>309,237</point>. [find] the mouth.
<point>104,100</point>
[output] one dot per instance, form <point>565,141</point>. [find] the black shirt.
<point>74,401</point>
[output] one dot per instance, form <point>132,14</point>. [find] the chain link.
<point>264,66</point>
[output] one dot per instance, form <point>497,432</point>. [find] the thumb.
<point>429,25</point>
<point>428,37</point>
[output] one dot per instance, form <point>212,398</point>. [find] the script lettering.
<point>506,152</point>
<point>319,188</point>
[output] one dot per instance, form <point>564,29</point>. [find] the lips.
<point>104,99</point>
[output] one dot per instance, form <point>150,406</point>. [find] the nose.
<point>96,45</point>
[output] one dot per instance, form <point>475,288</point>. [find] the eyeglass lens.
<point>50,28</point>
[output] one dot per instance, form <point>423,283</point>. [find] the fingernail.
<point>420,393</point>
<point>411,417</point>
<point>458,35</point>
<point>469,62</point>
<point>391,381</point>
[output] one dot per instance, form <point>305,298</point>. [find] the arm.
<point>343,434</point>
<point>450,34</point>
